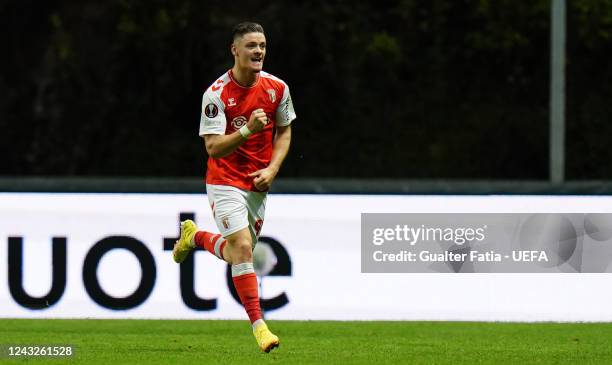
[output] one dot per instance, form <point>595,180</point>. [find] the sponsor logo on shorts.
<point>225,222</point>
<point>211,110</point>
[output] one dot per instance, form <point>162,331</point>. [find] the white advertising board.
<point>113,260</point>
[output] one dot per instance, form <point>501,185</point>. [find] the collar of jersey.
<point>230,74</point>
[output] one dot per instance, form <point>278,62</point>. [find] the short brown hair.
<point>244,28</point>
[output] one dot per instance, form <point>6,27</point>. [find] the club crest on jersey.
<point>238,122</point>
<point>231,102</point>
<point>211,110</point>
<point>272,94</point>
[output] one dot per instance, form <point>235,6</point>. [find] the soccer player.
<point>246,126</point>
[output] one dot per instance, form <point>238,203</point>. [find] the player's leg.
<point>240,253</point>
<point>191,238</point>
<point>214,243</point>
<point>256,205</point>
<point>239,250</point>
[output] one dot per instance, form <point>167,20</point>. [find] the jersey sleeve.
<point>212,120</point>
<point>285,112</point>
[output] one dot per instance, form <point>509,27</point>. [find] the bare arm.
<point>221,145</point>
<point>263,178</point>
<point>282,140</point>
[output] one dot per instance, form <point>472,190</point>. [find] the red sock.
<point>245,282</point>
<point>211,242</point>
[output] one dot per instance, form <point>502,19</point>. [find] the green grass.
<point>313,342</point>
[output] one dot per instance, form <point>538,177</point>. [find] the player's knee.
<point>241,251</point>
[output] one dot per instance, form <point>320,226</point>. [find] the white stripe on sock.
<point>242,269</point>
<point>218,243</point>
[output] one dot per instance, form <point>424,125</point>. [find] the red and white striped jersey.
<point>227,106</point>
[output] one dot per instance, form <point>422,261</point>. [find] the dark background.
<point>410,89</point>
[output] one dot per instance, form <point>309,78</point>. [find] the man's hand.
<point>263,178</point>
<point>257,121</point>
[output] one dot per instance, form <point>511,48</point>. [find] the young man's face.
<point>249,51</point>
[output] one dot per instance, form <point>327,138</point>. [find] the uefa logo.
<point>211,110</point>
<point>238,122</point>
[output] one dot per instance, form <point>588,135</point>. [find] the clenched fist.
<point>257,121</point>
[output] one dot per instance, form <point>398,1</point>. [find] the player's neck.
<point>244,78</point>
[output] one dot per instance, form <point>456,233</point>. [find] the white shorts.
<point>235,209</point>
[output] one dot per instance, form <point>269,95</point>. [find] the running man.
<point>246,126</point>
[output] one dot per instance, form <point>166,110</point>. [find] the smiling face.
<point>249,51</point>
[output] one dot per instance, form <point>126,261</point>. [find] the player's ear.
<point>233,48</point>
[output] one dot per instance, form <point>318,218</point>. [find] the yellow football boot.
<point>185,243</point>
<point>265,339</point>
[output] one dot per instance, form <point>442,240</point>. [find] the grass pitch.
<point>312,342</point>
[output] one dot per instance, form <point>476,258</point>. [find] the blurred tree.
<point>411,88</point>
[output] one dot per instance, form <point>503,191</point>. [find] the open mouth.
<point>257,60</point>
